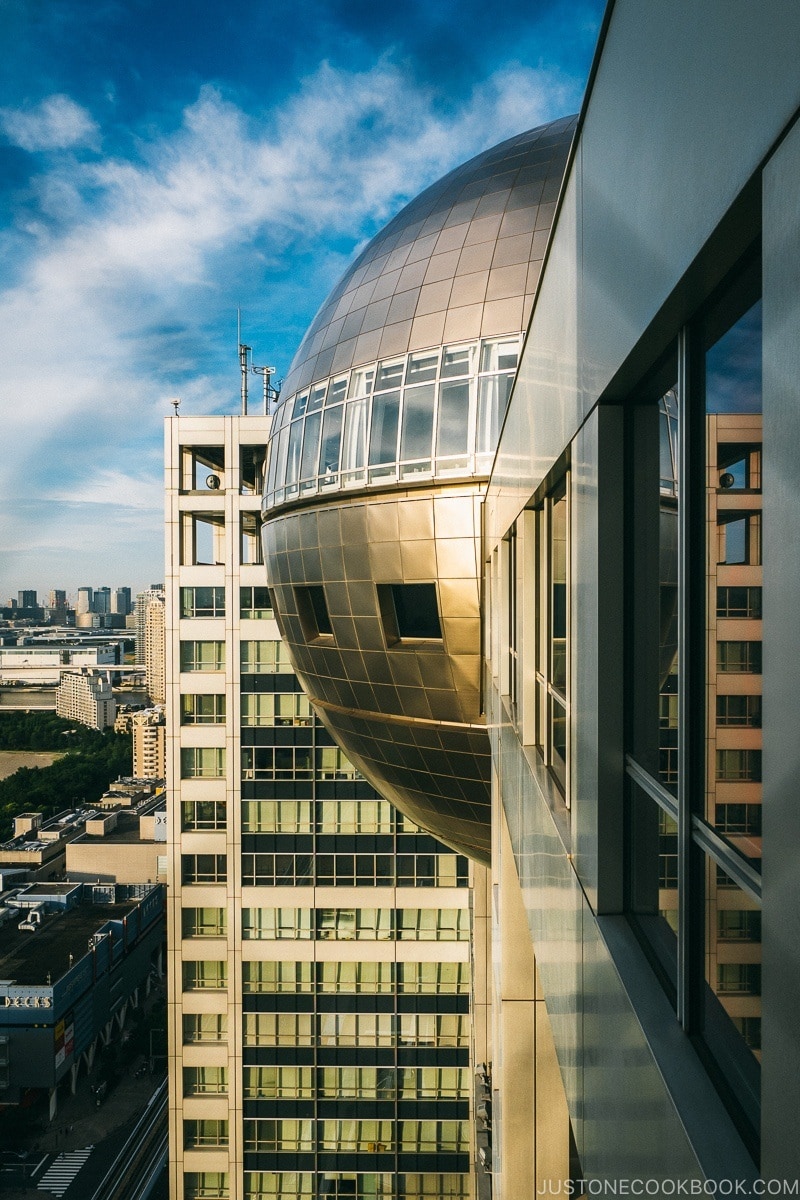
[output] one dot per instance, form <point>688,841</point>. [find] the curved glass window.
<point>430,412</point>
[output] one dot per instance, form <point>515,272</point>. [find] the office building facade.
<point>319,944</point>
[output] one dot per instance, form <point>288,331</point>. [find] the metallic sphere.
<point>379,455</point>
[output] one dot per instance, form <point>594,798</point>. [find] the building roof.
<point>61,940</point>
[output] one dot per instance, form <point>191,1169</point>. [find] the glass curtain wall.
<point>694,665</point>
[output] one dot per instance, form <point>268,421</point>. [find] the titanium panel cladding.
<point>379,456</point>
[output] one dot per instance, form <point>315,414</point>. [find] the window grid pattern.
<point>424,414</point>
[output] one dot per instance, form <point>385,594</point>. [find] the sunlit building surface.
<point>639,601</point>
<point>319,943</point>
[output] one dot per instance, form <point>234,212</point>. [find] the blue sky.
<point>163,162</point>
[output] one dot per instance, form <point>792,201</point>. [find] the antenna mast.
<point>266,373</point>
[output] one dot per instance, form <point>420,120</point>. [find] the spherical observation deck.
<point>378,459</point>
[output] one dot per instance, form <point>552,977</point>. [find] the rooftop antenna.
<point>270,392</point>
<point>176,403</point>
<point>244,353</point>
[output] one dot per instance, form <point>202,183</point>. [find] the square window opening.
<point>409,612</point>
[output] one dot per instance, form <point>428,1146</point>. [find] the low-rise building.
<point>74,959</point>
<point>122,845</point>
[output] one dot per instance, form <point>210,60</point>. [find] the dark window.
<point>739,766</point>
<point>739,658</point>
<point>202,601</point>
<point>312,609</point>
<point>739,818</point>
<point>255,603</point>
<point>739,710</point>
<point>409,610</point>
<point>739,602</point>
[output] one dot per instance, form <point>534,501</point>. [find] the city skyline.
<point>153,184</point>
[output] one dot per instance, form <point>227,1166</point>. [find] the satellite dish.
<point>212,482</point>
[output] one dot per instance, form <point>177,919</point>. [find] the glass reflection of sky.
<point>733,367</point>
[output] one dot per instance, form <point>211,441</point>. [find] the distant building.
<point>39,851</point>
<point>140,613</point>
<point>121,601</point>
<point>155,649</point>
<point>86,696</point>
<point>102,600</point>
<point>149,753</point>
<point>27,599</point>
<point>75,959</point>
<point>122,845</point>
<point>57,598</point>
<point>45,662</point>
<point>84,602</point>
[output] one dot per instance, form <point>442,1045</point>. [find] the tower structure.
<point>155,648</point>
<point>319,942</point>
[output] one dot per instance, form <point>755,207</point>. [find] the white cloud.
<point>56,123</point>
<point>129,267</point>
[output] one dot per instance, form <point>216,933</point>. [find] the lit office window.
<point>359,924</point>
<point>277,816</point>
<point>267,1136</point>
<point>367,977</point>
<point>434,978</point>
<point>205,1081</point>
<point>356,1029</point>
<point>265,658</point>
<point>277,977</point>
<point>355,816</point>
<point>372,1137</point>
<point>276,708</point>
<point>204,922</point>
<point>274,1082</point>
<point>202,762</point>
<point>198,1135</point>
<point>202,656</point>
<point>205,976</point>
<point>206,1185</point>
<point>279,1029</point>
<point>279,1185</point>
<point>358,1083</point>
<point>203,709</point>
<point>274,924</point>
<point>433,924</point>
<point>205,1027</point>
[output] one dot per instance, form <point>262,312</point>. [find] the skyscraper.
<point>155,649</point>
<point>319,943</point>
<point>154,592</point>
<point>121,601</point>
<point>83,604</point>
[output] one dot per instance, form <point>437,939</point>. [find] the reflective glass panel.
<point>417,426</point>
<point>453,424</point>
